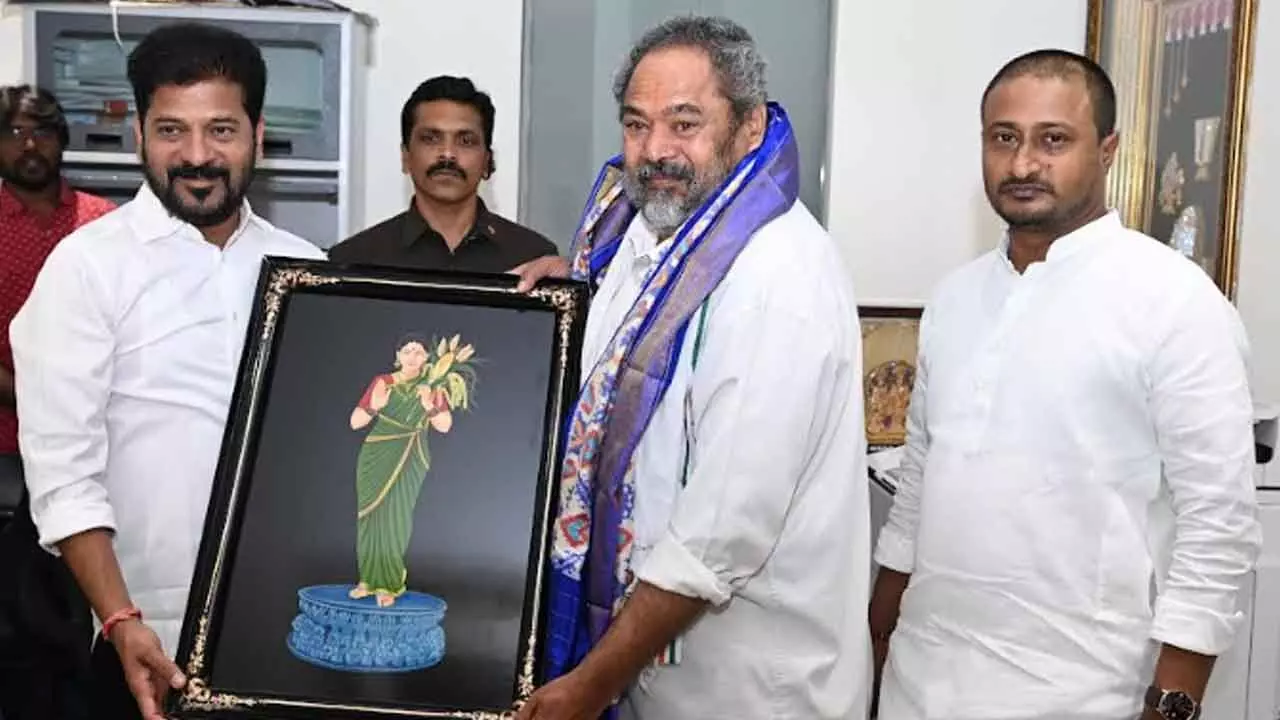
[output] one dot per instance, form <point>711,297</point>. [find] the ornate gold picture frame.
<point>377,531</point>
<point>1181,70</point>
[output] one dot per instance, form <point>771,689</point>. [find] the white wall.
<point>1259,251</point>
<point>10,44</point>
<point>414,40</point>
<point>904,181</point>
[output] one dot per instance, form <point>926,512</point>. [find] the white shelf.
<point>83,157</point>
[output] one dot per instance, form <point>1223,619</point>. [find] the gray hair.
<point>737,63</point>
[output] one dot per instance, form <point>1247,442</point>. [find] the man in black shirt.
<point>446,132</point>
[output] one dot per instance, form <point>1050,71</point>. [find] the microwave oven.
<point>79,53</point>
<point>310,179</point>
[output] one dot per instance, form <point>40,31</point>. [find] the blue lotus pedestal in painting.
<point>334,631</point>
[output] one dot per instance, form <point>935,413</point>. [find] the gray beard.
<point>665,215</point>
<point>665,212</point>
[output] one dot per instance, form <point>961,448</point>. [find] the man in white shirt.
<point>127,350</point>
<point>712,543</point>
<point>1076,511</point>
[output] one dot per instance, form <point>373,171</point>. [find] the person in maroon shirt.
<point>45,626</point>
<point>37,210</point>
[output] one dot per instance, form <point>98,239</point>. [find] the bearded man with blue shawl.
<point>711,551</point>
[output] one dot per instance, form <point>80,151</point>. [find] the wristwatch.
<point>1172,704</point>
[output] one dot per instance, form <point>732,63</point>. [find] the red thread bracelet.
<point>119,615</point>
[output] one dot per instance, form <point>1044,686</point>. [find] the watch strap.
<point>1153,696</point>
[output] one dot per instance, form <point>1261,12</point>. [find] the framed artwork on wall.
<point>889,346</point>
<point>1182,70</point>
<point>379,520</point>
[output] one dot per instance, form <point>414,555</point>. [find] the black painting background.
<point>1206,95</point>
<point>473,522</point>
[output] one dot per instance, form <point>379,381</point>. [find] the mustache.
<point>666,170</point>
<point>199,172</point>
<point>446,166</point>
<point>1030,183</point>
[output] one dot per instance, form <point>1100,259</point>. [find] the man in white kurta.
<point>1076,495</point>
<point>1076,485</point>
<point>127,353</point>
<point>127,350</point>
<point>784,559</point>
<point>750,542</point>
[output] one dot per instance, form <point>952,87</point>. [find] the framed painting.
<point>889,346</point>
<point>1182,70</point>
<point>379,521</point>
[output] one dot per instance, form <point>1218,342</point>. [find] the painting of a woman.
<point>430,381</point>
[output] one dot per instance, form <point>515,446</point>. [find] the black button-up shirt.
<point>494,244</point>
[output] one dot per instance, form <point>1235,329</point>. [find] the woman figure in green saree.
<point>430,381</point>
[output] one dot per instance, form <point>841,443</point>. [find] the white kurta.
<point>772,527</point>
<point>126,356</point>
<point>1077,483</point>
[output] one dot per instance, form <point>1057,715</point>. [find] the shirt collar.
<point>644,242</point>
<point>11,206</point>
<point>153,221</point>
<point>415,226</point>
<point>1073,242</point>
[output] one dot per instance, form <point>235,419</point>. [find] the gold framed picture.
<point>890,338</point>
<point>377,535</point>
<point>1181,70</point>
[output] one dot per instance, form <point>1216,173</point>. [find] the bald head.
<point>1069,66</point>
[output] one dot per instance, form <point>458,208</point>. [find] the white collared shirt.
<point>126,356</point>
<point>772,527</point>
<point>1077,483</point>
